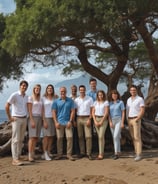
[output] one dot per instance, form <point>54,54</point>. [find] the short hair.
<point>24,82</point>
<point>133,86</point>
<point>82,86</point>
<point>73,86</point>
<point>92,79</point>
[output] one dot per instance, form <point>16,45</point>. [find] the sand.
<point>108,171</point>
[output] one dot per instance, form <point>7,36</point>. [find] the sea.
<point>3,116</point>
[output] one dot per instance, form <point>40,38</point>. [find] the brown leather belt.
<point>83,116</point>
<point>20,116</point>
<point>132,117</point>
<point>98,116</point>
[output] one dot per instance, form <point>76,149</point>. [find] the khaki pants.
<point>18,134</point>
<point>101,135</point>
<point>82,129</point>
<point>135,131</point>
<point>69,138</point>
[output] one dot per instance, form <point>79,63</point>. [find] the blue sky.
<point>7,6</point>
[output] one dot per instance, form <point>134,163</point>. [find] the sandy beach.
<point>108,171</point>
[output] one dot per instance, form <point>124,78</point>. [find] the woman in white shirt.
<point>35,119</point>
<point>48,122</point>
<point>100,113</point>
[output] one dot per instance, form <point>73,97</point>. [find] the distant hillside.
<point>82,80</point>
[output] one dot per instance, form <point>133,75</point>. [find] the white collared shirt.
<point>83,105</point>
<point>19,104</point>
<point>133,106</point>
<point>100,108</point>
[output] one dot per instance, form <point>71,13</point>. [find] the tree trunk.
<point>151,102</point>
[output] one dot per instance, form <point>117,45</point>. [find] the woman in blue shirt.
<point>116,119</point>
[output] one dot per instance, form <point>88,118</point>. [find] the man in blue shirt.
<point>93,91</point>
<point>63,110</point>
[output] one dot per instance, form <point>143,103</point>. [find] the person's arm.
<point>110,122</point>
<point>90,117</point>
<point>123,119</point>
<point>29,106</point>
<point>7,109</point>
<point>72,114</point>
<point>141,113</point>
<point>57,125</point>
<point>106,113</point>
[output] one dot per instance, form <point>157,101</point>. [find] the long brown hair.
<point>114,91</point>
<point>46,93</point>
<point>104,95</point>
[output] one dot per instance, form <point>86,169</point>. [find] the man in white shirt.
<point>84,114</point>
<point>135,109</point>
<point>18,100</point>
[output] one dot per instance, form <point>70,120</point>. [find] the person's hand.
<point>12,119</point>
<point>122,125</point>
<point>69,125</point>
<point>88,122</point>
<point>45,124</point>
<point>33,124</point>
<point>57,125</point>
<point>111,125</point>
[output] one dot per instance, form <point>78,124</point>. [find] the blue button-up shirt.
<point>116,108</point>
<point>63,109</point>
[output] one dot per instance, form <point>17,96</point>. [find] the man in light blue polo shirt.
<point>63,110</point>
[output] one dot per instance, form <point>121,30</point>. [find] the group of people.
<point>74,117</point>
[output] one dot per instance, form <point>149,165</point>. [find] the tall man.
<point>63,114</point>
<point>135,109</point>
<point>93,88</point>
<point>18,100</point>
<point>84,115</point>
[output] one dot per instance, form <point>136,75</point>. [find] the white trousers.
<point>18,134</point>
<point>116,133</point>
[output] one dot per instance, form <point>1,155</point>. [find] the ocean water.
<point>3,116</point>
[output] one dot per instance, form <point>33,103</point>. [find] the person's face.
<point>37,90</point>
<point>63,93</point>
<point>114,96</point>
<point>82,91</point>
<point>49,90</point>
<point>73,90</point>
<point>100,96</point>
<point>23,88</point>
<point>93,85</point>
<point>133,91</point>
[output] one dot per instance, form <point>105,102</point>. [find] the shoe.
<point>116,157</point>
<point>137,158</point>
<point>90,157</point>
<point>100,157</point>
<point>50,155</point>
<point>31,160</point>
<point>81,155</point>
<point>70,158</point>
<point>42,157</point>
<point>46,156</point>
<point>17,163</point>
<point>58,157</point>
